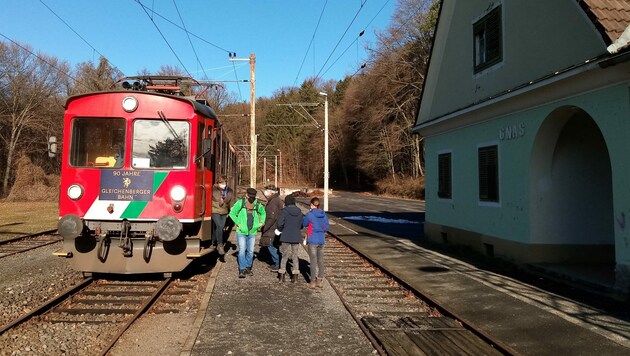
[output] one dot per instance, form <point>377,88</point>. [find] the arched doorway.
<point>570,190</point>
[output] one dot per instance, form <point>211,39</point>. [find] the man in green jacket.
<point>249,216</point>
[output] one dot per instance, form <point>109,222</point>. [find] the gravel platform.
<point>259,315</point>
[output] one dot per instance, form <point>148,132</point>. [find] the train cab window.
<point>97,142</point>
<point>160,144</point>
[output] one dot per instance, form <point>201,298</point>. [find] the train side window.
<point>97,142</point>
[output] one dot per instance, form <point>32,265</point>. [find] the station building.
<point>525,114</point>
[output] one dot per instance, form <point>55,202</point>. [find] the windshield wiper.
<point>170,127</point>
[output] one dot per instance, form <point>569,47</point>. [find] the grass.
<point>24,218</point>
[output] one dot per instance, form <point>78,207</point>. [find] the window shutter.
<point>444,175</point>
<point>488,174</point>
<point>493,36</point>
<point>487,42</point>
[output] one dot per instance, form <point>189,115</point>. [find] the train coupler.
<point>125,240</point>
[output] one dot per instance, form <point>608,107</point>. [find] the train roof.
<point>199,108</point>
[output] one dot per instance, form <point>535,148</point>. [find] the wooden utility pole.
<point>252,114</point>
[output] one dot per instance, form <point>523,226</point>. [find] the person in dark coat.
<point>289,226</point>
<point>269,239</point>
<point>222,200</point>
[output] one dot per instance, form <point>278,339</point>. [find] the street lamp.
<point>326,175</point>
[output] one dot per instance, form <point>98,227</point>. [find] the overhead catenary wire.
<point>240,95</point>
<point>344,52</point>
<point>189,41</point>
<point>164,38</point>
<point>45,61</point>
<point>355,40</point>
<point>188,33</point>
<point>181,28</point>
<point>81,37</point>
<point>310,43</point>
<point>341,38</point>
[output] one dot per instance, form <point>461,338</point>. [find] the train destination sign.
<point>126,185</point>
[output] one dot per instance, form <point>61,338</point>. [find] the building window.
<point>489,174</point>
<point>444,176</point>
<point>487,40</point>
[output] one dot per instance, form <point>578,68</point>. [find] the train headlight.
<point>178,193</point>
<point>75,191</point>
<point>129,104</point>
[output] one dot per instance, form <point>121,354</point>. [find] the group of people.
<point>280,224</point>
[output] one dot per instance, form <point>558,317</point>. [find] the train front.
<point>128,199</point>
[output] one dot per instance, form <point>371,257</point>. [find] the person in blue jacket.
<point>317,225</point>
<point>289,227</point>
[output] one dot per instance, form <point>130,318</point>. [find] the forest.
<point>371,113</point>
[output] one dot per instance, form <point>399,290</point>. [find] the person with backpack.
<point>222,200</point>
<point>248,216</point>
<point>269,239</point>
<point>317,225</point>
<point>289,226</point>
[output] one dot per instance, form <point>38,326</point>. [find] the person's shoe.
<point>294,278</point>
<point>275,268</point>
<point>249,271</point>
<point>319,282</point>
<point>241,273</point>
<point>220,250</point>
<point>312,284</point>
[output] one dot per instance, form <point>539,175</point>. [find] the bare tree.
<point>379,105</point>
<point>91,79</point>
<point>168,69</point>
<point>218,97</point>
<point>31,83</point>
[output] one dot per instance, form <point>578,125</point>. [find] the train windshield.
<point>97,142</point>
<point>160,144</point>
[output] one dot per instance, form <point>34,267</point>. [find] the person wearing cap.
<point>248,216</point>
<point>289,226</point>
<point>222,200</point>
<point>269,239</point>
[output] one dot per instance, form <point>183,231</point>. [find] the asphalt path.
<point>374,215</point>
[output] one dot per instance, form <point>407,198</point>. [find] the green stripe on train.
<point>158,179</point>
<point>135,208</point>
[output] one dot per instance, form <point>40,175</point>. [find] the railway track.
<point>103,308</point>
<point>25,243</point>
<point>397,319</point>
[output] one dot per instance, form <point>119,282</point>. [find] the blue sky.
<point>277,31</point>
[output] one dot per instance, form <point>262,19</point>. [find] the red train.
<point>138,165</point>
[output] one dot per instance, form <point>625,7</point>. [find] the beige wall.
<point>517,252</point>
<point>540,37</point>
